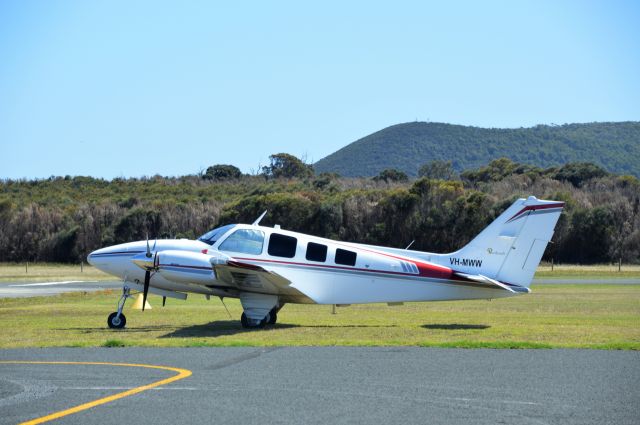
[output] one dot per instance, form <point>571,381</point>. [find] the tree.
<point>495,171</point>
<point>222,172</point>
<point>577,173</point>
<point>391,175</point>
<point>138,224</point>
<point>324,180</point>
<point>622,231</point>
<point>289,209</point>
<point>438,169</point>
<point>63,246</point>
<point>288,166</point>
<point>590,239</point>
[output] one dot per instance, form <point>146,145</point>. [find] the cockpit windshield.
<point>213,235</point>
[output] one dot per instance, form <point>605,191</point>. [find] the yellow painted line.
<point>181,374</point>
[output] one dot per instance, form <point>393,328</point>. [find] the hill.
<point>614,146</point>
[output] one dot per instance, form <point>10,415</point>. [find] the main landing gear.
<point>116,320</point>
<point>270,319</point>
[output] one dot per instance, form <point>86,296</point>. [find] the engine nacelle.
<point>186,267</point>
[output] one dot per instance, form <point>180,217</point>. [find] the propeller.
<point>147,273</point>
<point>147,278</point>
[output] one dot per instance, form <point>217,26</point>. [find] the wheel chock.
<point>137,305</point>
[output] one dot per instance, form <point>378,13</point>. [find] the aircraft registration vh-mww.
<point>267,267</point>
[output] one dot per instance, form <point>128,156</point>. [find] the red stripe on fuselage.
<point>424,271</point>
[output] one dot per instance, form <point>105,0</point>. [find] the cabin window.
<point>316,252</point>
<point>348,258</point>
<point>282,245</point>
<point>245,241</point>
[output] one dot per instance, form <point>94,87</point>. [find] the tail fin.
<point>510,248</point>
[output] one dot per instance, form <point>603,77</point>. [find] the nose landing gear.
<point>116,320</point>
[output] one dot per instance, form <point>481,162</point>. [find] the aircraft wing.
<point>491,283</point>
<point>252,278</point>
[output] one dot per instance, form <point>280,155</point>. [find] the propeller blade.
<point>164,300</point>
<point>147,278</point>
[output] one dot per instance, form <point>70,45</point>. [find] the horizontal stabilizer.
<point>487,281</point>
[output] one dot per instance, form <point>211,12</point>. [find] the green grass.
<point>597,271</point>
<point>114,343</point>
<point>573,316</point>
<point>50,272</point>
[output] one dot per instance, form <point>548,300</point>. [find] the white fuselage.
<point>342,273</point>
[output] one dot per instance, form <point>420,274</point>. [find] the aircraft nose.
<point>99,256</point>
<point>92,256</point>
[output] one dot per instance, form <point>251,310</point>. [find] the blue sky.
<point>132,88</point>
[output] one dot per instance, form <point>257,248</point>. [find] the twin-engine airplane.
<point>269,267</point>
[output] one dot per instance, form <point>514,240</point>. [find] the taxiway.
<point>321,385</point>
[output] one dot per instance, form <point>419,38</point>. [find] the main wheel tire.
<point>253,324</point>
<point>273,317</point>
<point>244,320</point>
<point>116,322</point>
<point>264,321</point>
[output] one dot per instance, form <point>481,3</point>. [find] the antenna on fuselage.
<point>255,223</point>
<point>409,246</point>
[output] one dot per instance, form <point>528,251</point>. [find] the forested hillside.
<point>64,218</point>
<point>613,146</point>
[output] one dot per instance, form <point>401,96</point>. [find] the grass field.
<point>11,272</point>
<point>585,316</point>
<point>597,271</point>
<point>50,272</point>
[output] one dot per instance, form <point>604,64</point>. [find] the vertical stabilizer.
<point>511,247</point>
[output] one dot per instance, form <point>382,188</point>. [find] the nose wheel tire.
<point>116,322</point>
